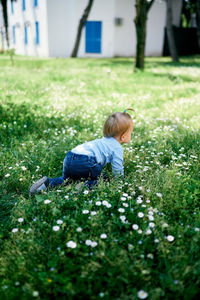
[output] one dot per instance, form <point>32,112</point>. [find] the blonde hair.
<point>117,124</point>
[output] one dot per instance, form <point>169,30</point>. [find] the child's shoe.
<point>39,186</point>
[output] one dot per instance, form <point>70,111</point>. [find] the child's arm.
<point>117,163</point>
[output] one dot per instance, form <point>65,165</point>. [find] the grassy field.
<point>135,239</point>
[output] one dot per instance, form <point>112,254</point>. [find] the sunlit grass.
<point>140,234</point>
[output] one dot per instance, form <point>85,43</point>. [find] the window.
<point>12,8</point>
<point>25,35</point>
<point>93,36</point>
<point>35,3</point>
<point>14,37</point>
<point>23,4</point>
<point>37,40</point>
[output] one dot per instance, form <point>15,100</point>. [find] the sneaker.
<point>39,186</point>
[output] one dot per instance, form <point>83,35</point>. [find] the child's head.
<point>120,126</point>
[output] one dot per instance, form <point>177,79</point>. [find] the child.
<point>86,161</point>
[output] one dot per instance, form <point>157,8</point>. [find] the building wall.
<point>155,29</point>
<point>58,24</point>
<point>102,10</point>
<point>29,16</point>
<point>125,34</point>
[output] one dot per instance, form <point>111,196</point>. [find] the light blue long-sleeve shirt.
<point>106,150</point>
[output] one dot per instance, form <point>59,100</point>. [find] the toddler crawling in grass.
<point>87,160</point>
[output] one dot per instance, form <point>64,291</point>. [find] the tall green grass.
<point>138,238</point>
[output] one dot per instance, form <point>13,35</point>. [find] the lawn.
<point>133,239</point>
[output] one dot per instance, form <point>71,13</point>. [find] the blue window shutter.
<point>12,8</point>
<point>93,36</point>
<point>37,40</point>
<point>14,37</point>
<point>24,4</point>
<point>25,35</point>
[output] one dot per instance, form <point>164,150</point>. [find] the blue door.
<point>93,36</point>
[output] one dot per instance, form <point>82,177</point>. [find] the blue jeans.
<point>78,166</point>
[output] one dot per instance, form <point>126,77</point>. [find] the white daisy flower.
<point>24,168</point>
<point>88,242</point>
<point>79,229</point>
<point>35,294</point>
<point>98,203</point>
<point>142,294</point>
<point>85,211</point>
<point>14,230</point>
<point>71,244</point>
<point>47,201</point>
<point>121,210</point>
<point>7,175</point>
<point>56,228</point>
<point>103,236</point>
<point>140,214</point>
<point>170,238</point>
<point>159,195</point>
<point>93,213</point>
<point>59,222</point>
<point>20,220</point>
<point>135,226</point>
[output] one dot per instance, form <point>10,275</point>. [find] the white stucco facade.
<point>58,21</point>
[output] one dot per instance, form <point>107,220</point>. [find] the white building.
<point>48,27</point>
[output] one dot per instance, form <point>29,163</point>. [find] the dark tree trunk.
<point>142,8</point>
<point>80,27</point>
<point>198,22</point>
<point>170,33</point>
<point>5,17</point>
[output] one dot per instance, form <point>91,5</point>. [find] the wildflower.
<point>7,175</point>
<point>123,218</point>
<point>140,215</point>
<point>93,213</point>
<point>156,241</point>
<point>121,210</point>
<point>14,230</point>
<point>24,168</point>
<point>79,229</point>
<point>151,225</point>
<point>103,236</point>
<point>101,295</point>
<point>125,204</point>
<point>59,222</point>
<point>142,294</point>
<point>148,231</point>
<point>98,203</point>
<point>47,201</point>
<point>170,238</point>
<point>85,211</point>
<point>56,228</point>
<point>105,203</point>
<point>88,242</point>
<point>20,220</point>
<point>135,226</point>
<point>85,192</point>
<point>150,255</point>
<point>71,244</point>
<point>159,195</point>
<point>35,294</point>
<point>94,244</point>
<point>66,197</point>
<point>140,231</point>
<point>123,198</point>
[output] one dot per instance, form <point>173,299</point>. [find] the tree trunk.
<point>170,33</point>
<point>198,22</point>
<point>80,27</point>
<point>142,8</point>
<point>5,18</point>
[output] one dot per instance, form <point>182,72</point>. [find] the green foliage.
<point>138,234</point>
